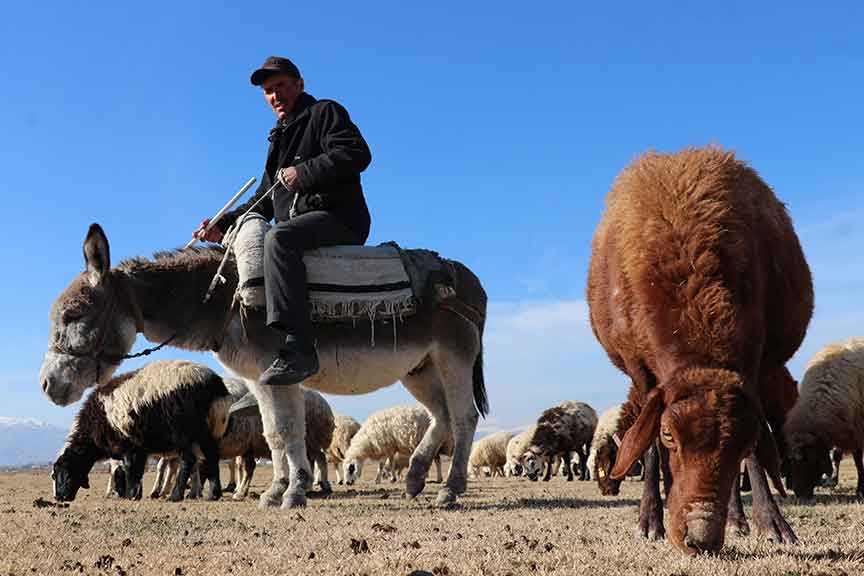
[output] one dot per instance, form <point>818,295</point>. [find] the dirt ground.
<point>502,526</point>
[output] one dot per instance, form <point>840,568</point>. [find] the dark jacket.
<point>328,151</point>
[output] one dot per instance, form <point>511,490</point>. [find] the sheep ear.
<point>769,458</point>
<point>97,256</point>
<point>640,436</point>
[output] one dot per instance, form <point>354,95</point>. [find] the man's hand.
<point>212,235</point>
<point>287,176</point>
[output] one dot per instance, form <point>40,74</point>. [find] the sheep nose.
<point>703,535</point>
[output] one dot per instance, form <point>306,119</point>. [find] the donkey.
<point>436,353</point>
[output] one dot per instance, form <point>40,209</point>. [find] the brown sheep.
<point>604,451</point>
<point>699,291</point>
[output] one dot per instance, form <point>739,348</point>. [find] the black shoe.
<point>291,366</point>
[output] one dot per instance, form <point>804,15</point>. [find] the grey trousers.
<point>285,273</point>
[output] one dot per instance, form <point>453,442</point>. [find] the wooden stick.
<point>222,212</point>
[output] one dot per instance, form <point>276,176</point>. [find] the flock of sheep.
<point>192,414</point>
<point>699,293</point>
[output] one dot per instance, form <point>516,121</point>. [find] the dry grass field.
<point>502,527</point>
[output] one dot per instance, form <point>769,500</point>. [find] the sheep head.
<point>807,459</point>
<point>352,469</point>
<point>708,423</point>
<point>604,461</point>
<point>68,475</point>
<point>532,461</point>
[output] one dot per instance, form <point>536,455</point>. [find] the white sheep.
<point>388,434</point>
<point>489,451</point>
<point>345,429</point>
<point>515,448</point>
<point>828,413</point>
<point>607,425</point>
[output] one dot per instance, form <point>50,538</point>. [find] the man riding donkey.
<point>315,159</point>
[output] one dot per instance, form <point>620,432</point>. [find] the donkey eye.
<point>71,316</point>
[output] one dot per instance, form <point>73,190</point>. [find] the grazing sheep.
<point>515,448</point>
<point>489,451</point>
<point>169,464</point>
<point>345,429</point>
<point>559,430</point>
<point>604,449</point>
<point>244,442</point>
<point>387,434</point>
<point>699,291</point>
<point>611,427</point>
<point>161,407</point>
<point>829,412</point>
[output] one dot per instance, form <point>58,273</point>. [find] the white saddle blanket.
<point>345,282</point>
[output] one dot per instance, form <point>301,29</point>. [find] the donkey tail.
<point>480,399</point>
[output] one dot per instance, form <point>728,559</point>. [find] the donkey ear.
<point>96,254</point>
<point>769,458</point>
<point>641,435</point>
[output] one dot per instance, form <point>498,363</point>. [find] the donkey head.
<point>90,329</point>
<point>708,423</point>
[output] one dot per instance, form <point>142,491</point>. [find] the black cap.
<point>274,65</point>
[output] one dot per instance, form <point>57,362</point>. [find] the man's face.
<point>281,92</point>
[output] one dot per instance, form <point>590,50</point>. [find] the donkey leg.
<point>457,371</point>
<point>271,404</point>
<point>293,431</point>
<point>427,388</point>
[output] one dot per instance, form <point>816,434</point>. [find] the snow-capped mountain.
<point>25,441</point>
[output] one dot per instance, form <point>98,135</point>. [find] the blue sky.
<point>496,131</point>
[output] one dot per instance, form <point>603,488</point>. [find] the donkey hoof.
<point>272,497</point>
<point>446,498</point>
<point>293,500</point>
<point>414,486</point>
